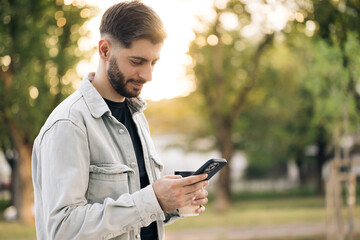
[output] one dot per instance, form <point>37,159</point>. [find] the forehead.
<point>143,48</point>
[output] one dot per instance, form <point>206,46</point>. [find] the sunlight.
<point>268,17</point>
<point>169,76</point>
<point>180,18</point>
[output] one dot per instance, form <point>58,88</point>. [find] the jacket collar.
<point>96,104</point>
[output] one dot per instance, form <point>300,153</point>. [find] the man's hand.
<point>174,192</point>
<point>201,199</point>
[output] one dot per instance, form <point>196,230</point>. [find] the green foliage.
<point>173,116</point>
<point>225,66</point>
<point>224,69</point>
<point>3,205</point>
<point>324,73</point>
<point>336,19</point>
<point>38,53</point>
<point>305,94</point>
<point>270,127</point>
<point>307,85</point>
<point>339,26</point>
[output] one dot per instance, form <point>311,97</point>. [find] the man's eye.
<point>136,62</point>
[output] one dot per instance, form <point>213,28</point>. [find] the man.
<point>96,173</point>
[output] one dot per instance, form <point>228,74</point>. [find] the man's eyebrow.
<point>143,59</point>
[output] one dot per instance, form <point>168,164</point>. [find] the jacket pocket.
<point>158,166</point>
<point>107,180</point>
<point>157,161</point>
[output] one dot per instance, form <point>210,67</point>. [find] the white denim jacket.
<point>85,173</point>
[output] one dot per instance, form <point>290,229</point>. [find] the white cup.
<point>188,210</point>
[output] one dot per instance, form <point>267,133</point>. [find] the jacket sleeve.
<point>61,162</point>
<point>171,217</point>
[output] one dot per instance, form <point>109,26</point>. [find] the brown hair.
<point>132,20</point>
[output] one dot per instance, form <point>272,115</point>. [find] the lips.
<point>137,84</point>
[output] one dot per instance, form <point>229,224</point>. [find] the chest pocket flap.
<point>107,180</point>
<point>110,169</point>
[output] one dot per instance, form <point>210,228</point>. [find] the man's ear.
<point>104,49</point>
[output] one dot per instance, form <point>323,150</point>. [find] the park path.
<point>286,231</point>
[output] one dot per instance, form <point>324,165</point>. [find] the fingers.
<point>191,185</point>
<point>189,180</point>
<point>195,194</point>
<point>205,183</point>
<point>194,188</point>
<point>201,194</point>
<point>173,176</point>
<point>173,191</point>
<point>201,209</point>
<point>193,179</point>
<point>198,202</point>
<point>201,198</point>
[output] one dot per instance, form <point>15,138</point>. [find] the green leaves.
<point>38,48</point>
<point>301,84</point>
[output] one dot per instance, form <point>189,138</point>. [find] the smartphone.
<point>211,167</point>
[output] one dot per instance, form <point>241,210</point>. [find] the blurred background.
<point>273,86</point>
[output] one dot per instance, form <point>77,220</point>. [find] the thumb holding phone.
<point>187,188</point>
<point>174,192</point>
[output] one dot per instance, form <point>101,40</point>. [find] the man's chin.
<point>132,94</point>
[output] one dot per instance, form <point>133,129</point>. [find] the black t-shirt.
<point>122,113</point>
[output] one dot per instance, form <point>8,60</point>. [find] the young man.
<point>96,173</point>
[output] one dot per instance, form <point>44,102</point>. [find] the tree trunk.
<point>22,185</point>
<point>223,187</point>
<point>224,122</point>
<point>320,160</point>
<point>299,158</point>
<point>22,195</point>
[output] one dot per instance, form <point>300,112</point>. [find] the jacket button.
<point>133,164</point>
<point>137,236</point>
<point>153,217</point>
<point>121,131</point>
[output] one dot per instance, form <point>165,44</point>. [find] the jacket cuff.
<point>148,206</point>
<point>171,217</point>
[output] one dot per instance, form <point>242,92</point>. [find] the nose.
<point>146,73</point>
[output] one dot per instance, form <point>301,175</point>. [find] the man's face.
<point>130,68</point>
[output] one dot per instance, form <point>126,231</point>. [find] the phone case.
<point>211,167</point>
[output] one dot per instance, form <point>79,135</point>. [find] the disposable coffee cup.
<point>188,210</point>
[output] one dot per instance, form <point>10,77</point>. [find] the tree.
<point>226,66</point>
<point>322,45</point>
<point>335,27</point>
<point>339,26</point>
<point>38,53</point>
<point>311,86</point>
<point>277,128</point>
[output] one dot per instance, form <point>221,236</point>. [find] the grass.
<point>14,230</point>
<point>246,210</point>
<point>252,212</point>
<point>264,211</point>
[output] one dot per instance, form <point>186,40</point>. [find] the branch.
<point>7,76</point>
<point>241,98</point>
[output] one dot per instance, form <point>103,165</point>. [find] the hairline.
<point>113,40</point>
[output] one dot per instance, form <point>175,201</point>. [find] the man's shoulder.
<point>72,109</point>
<point>66,107</point>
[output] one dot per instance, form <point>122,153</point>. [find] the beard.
<point>120,84</point>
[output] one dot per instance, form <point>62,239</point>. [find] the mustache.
<point>137,81</point>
